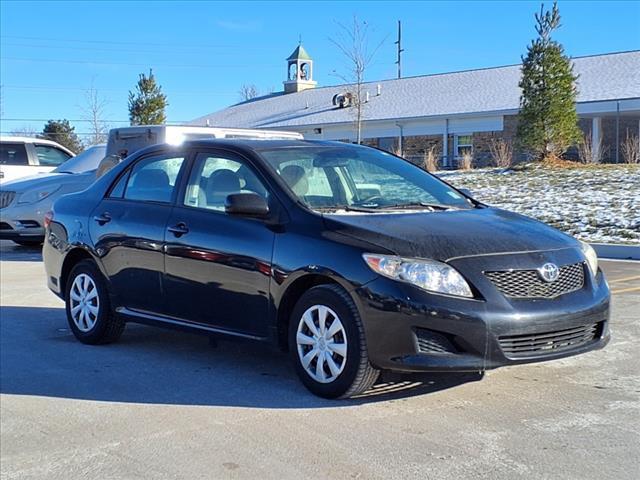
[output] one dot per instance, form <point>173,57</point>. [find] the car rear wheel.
<point>88,309</point>
<point>328,345</point>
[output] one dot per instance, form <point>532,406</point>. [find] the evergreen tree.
<point>547,122</point>
<point>147,104</point>
<point>62,132</point>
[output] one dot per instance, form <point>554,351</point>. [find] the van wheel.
<point>328,345</point>
<point>88,308</point>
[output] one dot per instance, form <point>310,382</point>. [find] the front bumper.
<point>23,222</point>
<point>409,329</point>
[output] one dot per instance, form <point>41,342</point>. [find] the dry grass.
<point>587,153</point>
<point>431,157</point>
<point>630,149</point>
<point>501,152</point>
<point>465,161</point>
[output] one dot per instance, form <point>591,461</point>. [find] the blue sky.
<point>202,52</point>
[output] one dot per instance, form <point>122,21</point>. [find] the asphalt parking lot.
<point>161,404</point>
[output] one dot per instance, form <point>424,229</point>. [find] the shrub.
<point>465,161</point>
<point>586,151</point>
<point>501,152</point>
<point>630,148</point>
<point>431,157</point>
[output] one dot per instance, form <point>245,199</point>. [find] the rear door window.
<point>154,179</point>
<point>50,156</point>
<point>13,154</point>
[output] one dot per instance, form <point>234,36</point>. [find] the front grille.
<point>528,284</point>
<point>6,198</point>
<point>5,226</point>
<point>532,344</point>
<point>433,342</point>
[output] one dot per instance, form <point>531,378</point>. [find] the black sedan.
<point>353,259</point>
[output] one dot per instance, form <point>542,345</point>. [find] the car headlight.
<point>33,196</point>
<point>427,274</point>
<point>592,257</point>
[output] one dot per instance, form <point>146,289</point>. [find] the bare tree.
<point>353,41</point>
<point>247,92</point>
<point>26,131</point>
<point>93,112</point>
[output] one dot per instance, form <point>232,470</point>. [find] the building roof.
<point>299,54</point>
<point>611,76</point>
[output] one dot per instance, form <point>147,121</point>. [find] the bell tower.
<point>299,71</point>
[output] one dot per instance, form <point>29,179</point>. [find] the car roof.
<point>239,144</point>
<point>258,145</point>
<point>16,139</point>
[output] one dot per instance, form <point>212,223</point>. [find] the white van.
<point>26,156</point>
<point>126,140</point>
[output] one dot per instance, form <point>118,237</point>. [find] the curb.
<point>616,251</point>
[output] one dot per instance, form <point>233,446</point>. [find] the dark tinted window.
<point>50,156</point>
<point>153,179</point>
<point>13,154</point>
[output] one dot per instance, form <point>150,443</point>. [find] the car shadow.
<point>39,356</point>
<point>12,252</point>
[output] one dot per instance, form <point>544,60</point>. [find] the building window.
<point>464,144</point>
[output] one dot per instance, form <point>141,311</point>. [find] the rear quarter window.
<point>13,154</point>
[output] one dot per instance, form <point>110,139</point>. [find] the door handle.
<point>102,218</point>
<point>179,229</point>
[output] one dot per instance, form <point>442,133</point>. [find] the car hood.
<point>450,234</point>
<point>47,179</point>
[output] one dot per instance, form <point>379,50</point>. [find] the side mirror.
<point>246,205</point>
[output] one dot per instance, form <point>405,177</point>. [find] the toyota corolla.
<point>352,259</point>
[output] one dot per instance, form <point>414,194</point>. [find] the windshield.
<point>84,162</point>
<point>356,178</point>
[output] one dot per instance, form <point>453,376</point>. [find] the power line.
<point>146,65</point>
<point>100,90</point>
<point>76,120</point>
<point>113,42</point>
<point>97,49</point>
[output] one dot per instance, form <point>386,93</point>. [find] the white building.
<point>454,111</point>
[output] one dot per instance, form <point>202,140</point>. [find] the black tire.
<point>358,375</point>
<point>107,326</point>
<point>28,243</point>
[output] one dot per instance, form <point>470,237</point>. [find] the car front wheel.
<point>328,344</point>
<point>87,305</point>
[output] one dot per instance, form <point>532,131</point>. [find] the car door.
<point>128,228</point>
<point>14,161</point>
<point>217,265</point>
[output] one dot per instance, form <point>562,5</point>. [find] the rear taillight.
<point>48,218</point>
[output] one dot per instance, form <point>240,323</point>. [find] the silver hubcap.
<point>85,303</point>
<point>322,344</point>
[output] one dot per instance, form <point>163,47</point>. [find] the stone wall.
<point>415,147</point>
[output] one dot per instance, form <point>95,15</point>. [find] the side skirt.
<point>153,319</point>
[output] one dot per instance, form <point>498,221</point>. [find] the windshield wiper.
<point>410,205</point>
<point>347,208</point>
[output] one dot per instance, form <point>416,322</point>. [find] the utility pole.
<point>400,49</point>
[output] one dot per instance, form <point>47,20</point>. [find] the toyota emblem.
<point>549,272</point>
